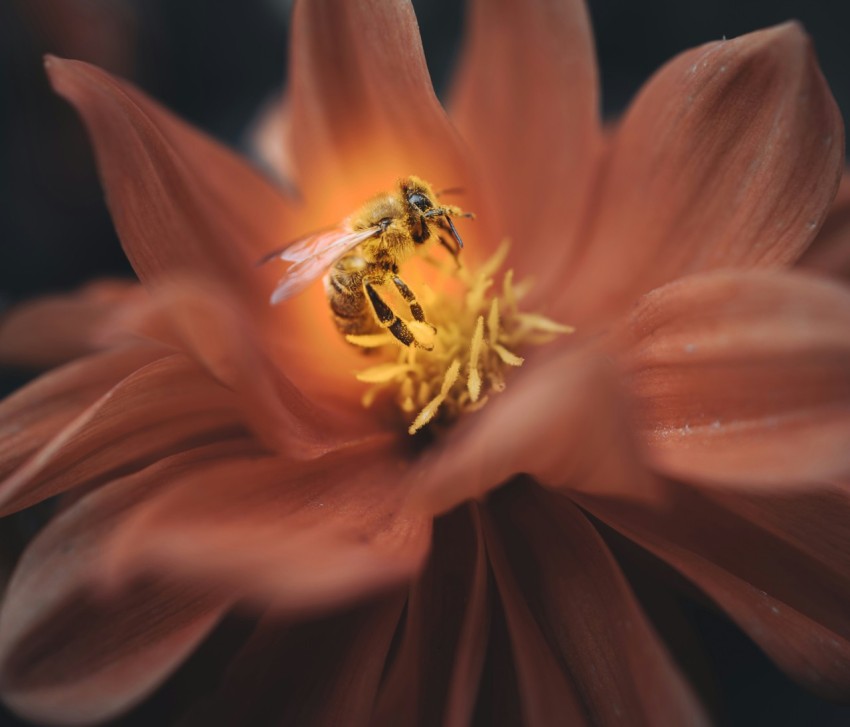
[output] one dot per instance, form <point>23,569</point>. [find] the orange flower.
<point>212,451</point>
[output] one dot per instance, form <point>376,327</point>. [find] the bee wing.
<point>312,255</point>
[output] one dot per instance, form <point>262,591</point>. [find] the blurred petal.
<point>218,331</point>
<point>364,112</point>
<point>323,673</point>
<point>163,408</point>
<point>531,64</point>
<point>729,157</point>
<point>33,415</point>
<point>68,657</point>
<point>743,378</point>
<point>561,419</point>
<point>448,605</point>
<point>50,331</point>
<point>181,202</point>
<point>267,136</point>
<point>87,661</point>
<point>299,536</point>
<point>584,648</point>
<point>777,564</point>
<point>503,707</point>
<point>830,251</point>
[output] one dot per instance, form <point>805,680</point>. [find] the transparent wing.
<point>311,256</point>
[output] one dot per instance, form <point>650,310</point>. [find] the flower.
<point>212,452</point>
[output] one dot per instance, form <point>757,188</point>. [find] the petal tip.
<point>57,70</point>
<point>789,39</point>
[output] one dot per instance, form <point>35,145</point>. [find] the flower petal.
<point>322,673</point>
<point>363,109</point>
<point>163,408</point>
<point>181,202</point>
<point>448,605</point>
<point>218,331</point>
<point>68,656</point>
<point>560,419</point>
<point>266,137</point>
<point>33,415</point>
<point>50,331</point>
<point>584,648</point>
<point>531,61</point>
<point>743,378</point>
<point>302,536</point>
<point>776,563</point>
<point>830,251</point>
<point>60,670</point>
<point>729,157</point>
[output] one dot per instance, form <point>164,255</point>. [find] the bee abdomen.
<point>350,308</point>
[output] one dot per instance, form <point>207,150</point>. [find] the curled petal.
<point>561,419</point>
<point>33,415</point>
<point>531,64</point>
<point>777,564</point>
<point>164,407</point>
<point>68,656</point>
<point>743,378</point>
<point>363,109</point>
<point>448,605</point>
<point>181,202</point>
<point>729,157</point>
<point>830,251</point>
<point>583,646</point>
<point>299,536</point>
<point>51,331</point>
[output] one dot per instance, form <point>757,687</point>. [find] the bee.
<point>364,252</point>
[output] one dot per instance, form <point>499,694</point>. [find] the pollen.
<point>460,366</point>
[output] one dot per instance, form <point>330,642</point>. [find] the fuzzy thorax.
<point>479,333</point>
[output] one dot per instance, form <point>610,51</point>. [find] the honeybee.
<point>364,252</point>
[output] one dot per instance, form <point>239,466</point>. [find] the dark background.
<point>216,63</point>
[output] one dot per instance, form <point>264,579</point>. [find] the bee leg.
<point>388,319</point>
<point>451,248</point>
<point>415,307</point>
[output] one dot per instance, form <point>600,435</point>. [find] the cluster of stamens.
<point>477,335</point>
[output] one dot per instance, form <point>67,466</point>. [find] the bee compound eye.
<point>420,201</point>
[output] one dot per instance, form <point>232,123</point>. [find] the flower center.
<point>477,336</point>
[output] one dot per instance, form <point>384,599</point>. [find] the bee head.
<point>419,198</point>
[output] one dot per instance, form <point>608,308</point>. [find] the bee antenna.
<point>451,190</point>
<point>454,233</point>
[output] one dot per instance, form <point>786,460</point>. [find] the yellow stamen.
<point>382,373</point>
<point>482,327</point>
<point>511,359</point>
<point>542,323</point>
<point>493,322</point>
<point>473,381</point>
<point>430,409</point>
<point>508,292</point>
<point>370,340</point>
